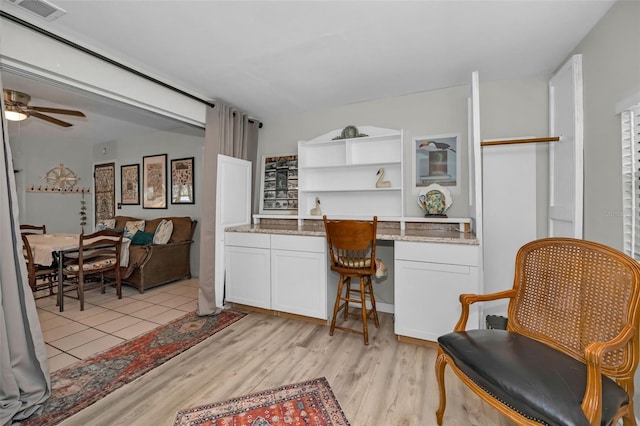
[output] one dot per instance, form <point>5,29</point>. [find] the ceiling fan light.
<point>15,115</point>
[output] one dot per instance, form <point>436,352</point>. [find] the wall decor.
<point>182,190</point>
<point>436,160</point>
<point>279,192</point>
<point>130,184</point>
<point>105,191</point>
<point>154,181</point>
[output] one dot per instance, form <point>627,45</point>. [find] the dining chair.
<point>40,276</point>
<point>33,229</point>
<point>97,253</point>
<point>352,254</point>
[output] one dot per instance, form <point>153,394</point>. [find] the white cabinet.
<point>342,174</point>
<point>248,269</point>
<point>286,273</point>
<point>429,278</point>
<point>299,275</point>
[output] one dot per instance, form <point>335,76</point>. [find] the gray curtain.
<point>228,132</point>
<point>24,372</point>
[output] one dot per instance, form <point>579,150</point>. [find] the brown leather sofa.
<point>156,264</point>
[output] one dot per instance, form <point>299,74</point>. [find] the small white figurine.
<point>382,183</point>
<point>316,210</point>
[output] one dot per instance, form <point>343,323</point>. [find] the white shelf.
<point>343,174</point>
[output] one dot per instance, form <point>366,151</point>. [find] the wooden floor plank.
<point>386,383</point>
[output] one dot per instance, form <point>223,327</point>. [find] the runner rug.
<point>310,403</point>
<point>85,382</point>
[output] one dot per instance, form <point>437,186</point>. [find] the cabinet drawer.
<point>247,239</point>
<point>298,243</point>
<point>454,254</point>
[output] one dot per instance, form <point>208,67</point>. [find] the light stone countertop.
<point>418,234</point>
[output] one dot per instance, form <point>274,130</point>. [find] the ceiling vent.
<point>42,8</point>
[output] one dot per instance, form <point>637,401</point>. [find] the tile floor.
<point>106,321</point>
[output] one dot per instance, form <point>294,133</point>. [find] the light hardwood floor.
<point>386,383</point>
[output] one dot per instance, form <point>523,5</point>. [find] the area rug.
<point>310,403</point>
<point>85,382</point>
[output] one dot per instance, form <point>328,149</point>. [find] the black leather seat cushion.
<point>541,383</point>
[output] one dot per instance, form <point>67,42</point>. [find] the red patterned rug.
<point>85,382</point>
<point>310,403</point>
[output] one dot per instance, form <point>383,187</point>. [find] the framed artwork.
<point>436,160</point>
<point>154,181</point>
<point>130,184</point>
<point>182,191</point>
<point>105,191</point>
<point>279,184</point>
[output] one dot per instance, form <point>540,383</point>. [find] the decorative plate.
<point>434,200</point>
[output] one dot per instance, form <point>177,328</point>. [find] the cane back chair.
<point>570,350</point>
<point>40,276</point>
<point>33,229</point>
<point>352,254</point>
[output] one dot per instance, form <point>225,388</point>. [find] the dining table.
<point>46,246</point>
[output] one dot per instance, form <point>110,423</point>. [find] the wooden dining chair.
<point>97,253</point>
<point>352,254</point>
<point>570,350</point>
<point>33,229</point>
<point>40,276</point>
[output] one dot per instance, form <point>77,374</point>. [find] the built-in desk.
<point>281,266</point>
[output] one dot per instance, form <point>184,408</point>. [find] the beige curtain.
<point>228,132</point>
<point>24,372</point>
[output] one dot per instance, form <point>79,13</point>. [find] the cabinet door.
<point>248,272</point>
<point>299,282</point>
<point>426,298</point>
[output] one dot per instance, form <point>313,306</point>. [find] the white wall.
<point>611,69</point>
<point>33,158</point>
<point>508,108</point>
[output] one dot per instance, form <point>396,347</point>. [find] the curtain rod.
<point>83,49</point>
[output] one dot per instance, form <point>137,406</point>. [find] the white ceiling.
<point>277,58</point>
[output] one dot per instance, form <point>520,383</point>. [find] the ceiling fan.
<point>17,108</point>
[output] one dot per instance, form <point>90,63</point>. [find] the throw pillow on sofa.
<point>142,238</point>
<point>105,224</point>
<point>163,232</point>
<point>131,227</point>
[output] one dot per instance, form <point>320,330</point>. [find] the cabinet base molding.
<point>419,342</point>
<point>242,307</point>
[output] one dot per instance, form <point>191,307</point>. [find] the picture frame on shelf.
<point>435,161</point>
<point>279,188</point>
<point>130,184</point>
<point>154,182</point>
<point>182,181</point>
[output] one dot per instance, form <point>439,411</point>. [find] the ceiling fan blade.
<point>50,119</point>
<point>58,111</point>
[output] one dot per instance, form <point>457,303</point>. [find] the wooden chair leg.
<point>373,303</point>
<point>118,285</point>
<point>81,291</point>
<point>348,296</point>
<point>336,305</point>
<point>363,301</point>
<point>440,365</point>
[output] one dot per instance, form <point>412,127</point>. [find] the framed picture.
<point>154,181</point>
<point>436,160</point>
<point>130,184</point>
<point>182,191</point>
<point>104,188</point>
<point>279,190</point>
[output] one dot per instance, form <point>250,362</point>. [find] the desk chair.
<point>97,253</point>
<point>40,276</point>
<point>33,229</point>
<point>352,254</point>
